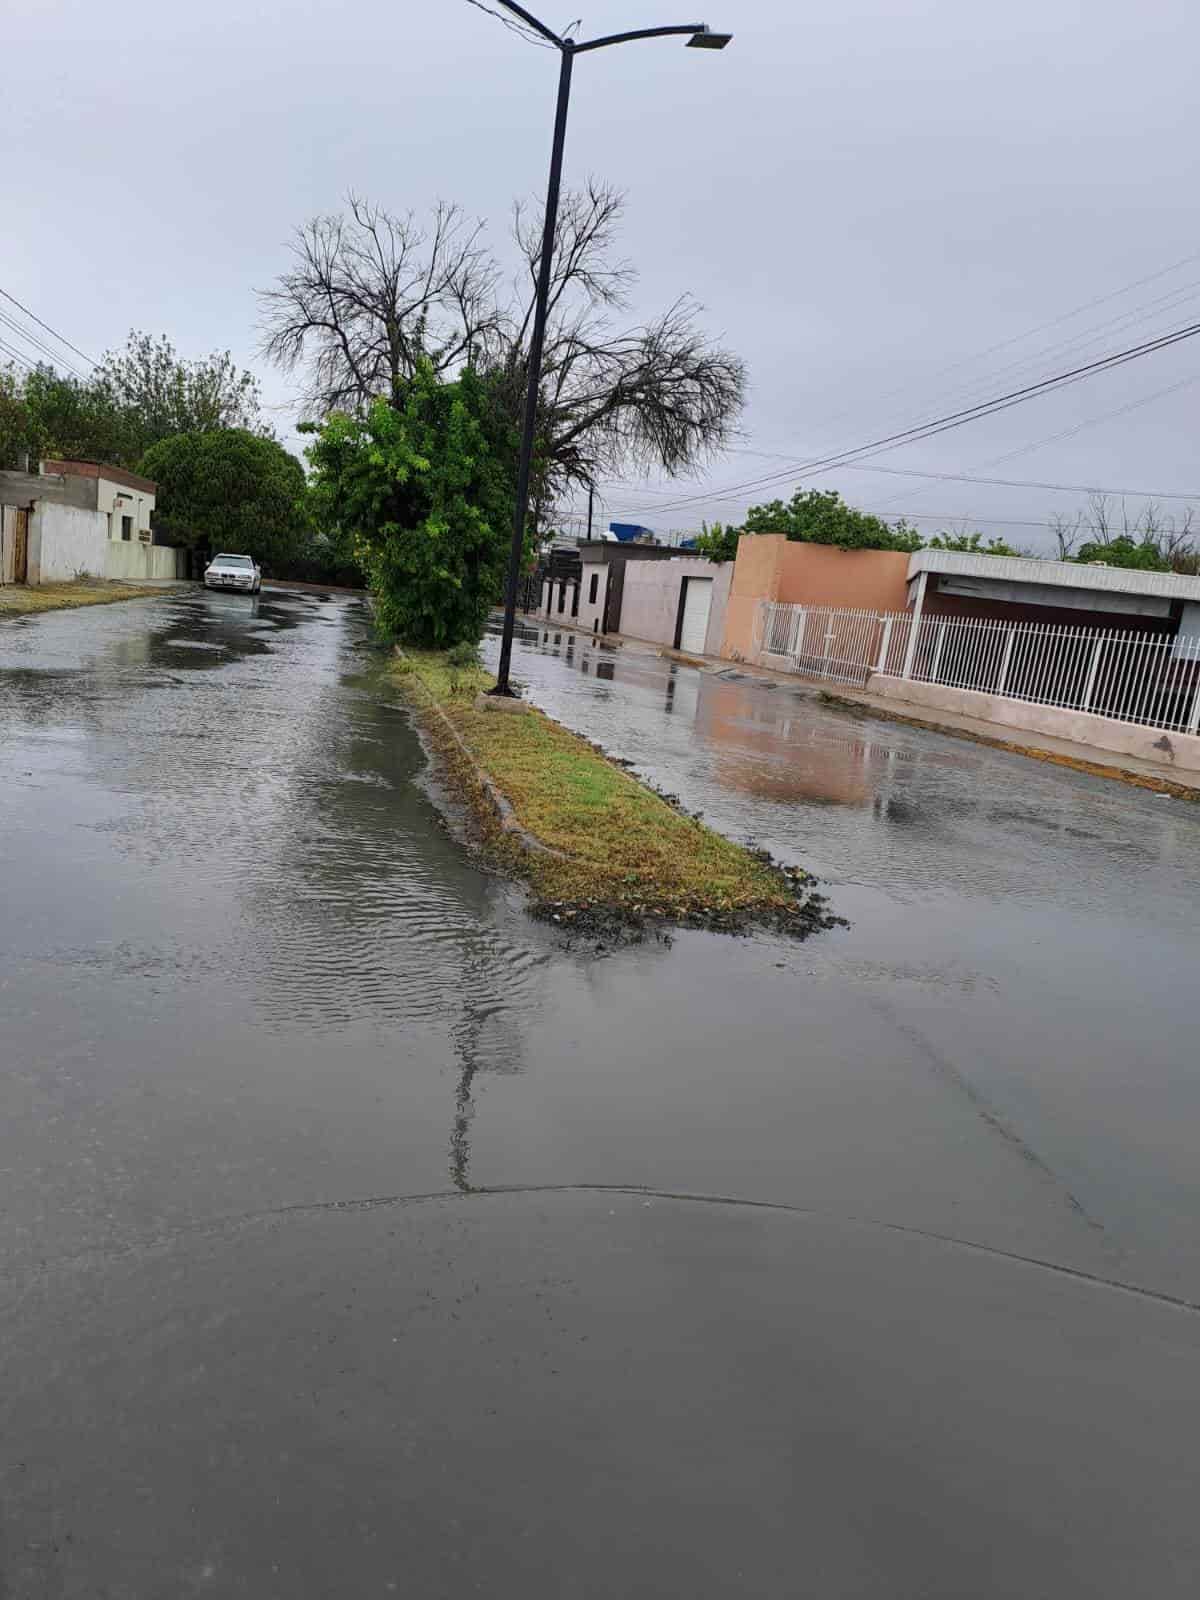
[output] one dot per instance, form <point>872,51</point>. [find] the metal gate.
<point>21,546</point>
<point>823,642</point>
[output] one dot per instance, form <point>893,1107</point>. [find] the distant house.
<point>79,518</point>
<point>954,583</point>
<point>124,499</point>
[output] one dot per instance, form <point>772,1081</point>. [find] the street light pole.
<point>700,37</point>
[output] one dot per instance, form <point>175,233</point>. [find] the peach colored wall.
<point>861,580</point>
<point>755,578</point>
<point>769,567</point>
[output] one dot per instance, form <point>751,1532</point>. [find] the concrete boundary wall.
<point>133,561</point>
<point>65,541</point>
<point>1178,750</point>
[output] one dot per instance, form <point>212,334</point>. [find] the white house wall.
<point>65,542</point>
<point>116,500</point>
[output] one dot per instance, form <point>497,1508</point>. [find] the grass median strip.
<point>610,848</point>
<point>20,600</point>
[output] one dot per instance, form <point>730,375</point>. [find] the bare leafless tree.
<point>1172,539</point>
<point>370,293</point>
<point>1067,533</point>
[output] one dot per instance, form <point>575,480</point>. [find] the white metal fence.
<point>843,646</point>
<point>1131,675</point>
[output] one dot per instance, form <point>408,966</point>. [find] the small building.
<point>125,500</point>
<point>79,519</point>
<point>645,592</point>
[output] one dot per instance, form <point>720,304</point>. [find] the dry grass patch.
<point>21,600</point>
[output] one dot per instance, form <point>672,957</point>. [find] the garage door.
<point>697,601</point>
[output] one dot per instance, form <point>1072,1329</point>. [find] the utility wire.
<point>14,356</point>
<point>958,419</point>
<point>1030,333</point>
<point>995,461</point>
<point>35,343</point>
<point>512,25</point>
<point>47,327</point>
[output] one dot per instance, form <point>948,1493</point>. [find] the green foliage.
<point>1141,554</point>
<point>47,414</point>
<point>134,398</point>
<point>157,393</point>
<point>718,543</point>
<point>972,544</point>
<point>425,489</point>
<point>821,516</point>
<point>229,489</point>
<point>15,433</point>
<point>465,654</point>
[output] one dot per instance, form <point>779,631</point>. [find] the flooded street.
<point>357,1236</point>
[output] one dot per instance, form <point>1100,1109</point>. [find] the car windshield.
<point>232,561</point>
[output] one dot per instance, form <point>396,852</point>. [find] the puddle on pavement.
<point>255,969</point>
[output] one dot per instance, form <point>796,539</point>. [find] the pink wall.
<point>650,604</point>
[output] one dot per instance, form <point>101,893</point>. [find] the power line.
<point>38,344</point>
<point>1077,345</point>
<point>13,355</point>
<point>47,327</point>
<point>1042,327</point>
<point>512,25</point>
<point>958,419</point>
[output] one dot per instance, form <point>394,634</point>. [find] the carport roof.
<point>1064,574</point>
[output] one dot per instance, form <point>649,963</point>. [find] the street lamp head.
<point>706,39</point>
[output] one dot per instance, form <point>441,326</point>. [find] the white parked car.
<point>233,572</point>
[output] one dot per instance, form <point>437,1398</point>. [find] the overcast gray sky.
<point>861,194</point>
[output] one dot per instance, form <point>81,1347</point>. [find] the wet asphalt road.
<point>357,1238</point>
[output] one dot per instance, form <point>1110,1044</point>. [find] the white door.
<point>697,601</point>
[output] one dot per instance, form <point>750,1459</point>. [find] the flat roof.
<point>1064,574</point>
<point>99,469</point>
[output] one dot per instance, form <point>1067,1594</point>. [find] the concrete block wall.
<point>134,561</point>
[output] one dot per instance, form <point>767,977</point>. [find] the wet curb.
<point>496,799</point>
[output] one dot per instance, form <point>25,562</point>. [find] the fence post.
<point>910,655</point>
<point>1193,724</point>
<point>885,644</point>
<point>1093,673</point>
<point>937,652</point>
<point>1008,647</point>
<point>796,631</point>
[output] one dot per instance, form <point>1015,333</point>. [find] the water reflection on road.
<point>358,1237</point>
<point>1024,934</point>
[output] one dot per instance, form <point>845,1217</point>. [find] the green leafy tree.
<point>158,393</point>
<point>972,544</point>
<point>821,516</point>
<point>425,489</point>
<point>1142,554</point>
<point>134,398</point>
<point>718,543</point>
<point>229,489</point>
<point>74,417</point>
<point>16,432</point>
